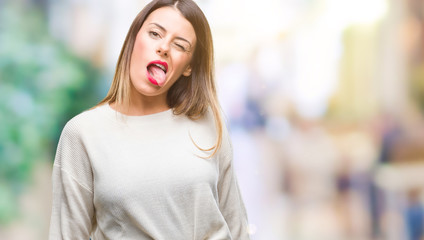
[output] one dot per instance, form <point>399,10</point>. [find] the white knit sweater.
<point>141,177</point>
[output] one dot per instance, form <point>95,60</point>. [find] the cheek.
<point>183,63</point>
<point>137,56</point>
<point>141,45</point>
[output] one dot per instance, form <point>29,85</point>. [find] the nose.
<point>163,49</point>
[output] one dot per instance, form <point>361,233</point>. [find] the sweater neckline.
<point>129,118</point>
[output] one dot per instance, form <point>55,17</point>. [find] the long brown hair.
<point>192,95</point>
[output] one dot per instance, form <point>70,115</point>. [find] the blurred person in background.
<point>414,215</point>
<point>153,159</point>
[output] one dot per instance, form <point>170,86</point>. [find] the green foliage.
<point>42,85</point>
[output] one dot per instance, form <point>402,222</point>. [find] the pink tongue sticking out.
<point>158,74</point>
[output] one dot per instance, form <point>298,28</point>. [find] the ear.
<point>187,71</point>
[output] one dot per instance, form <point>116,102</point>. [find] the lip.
<point>159,62</point>
<point>151,79</point>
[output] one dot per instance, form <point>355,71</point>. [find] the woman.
<point>153,159</point>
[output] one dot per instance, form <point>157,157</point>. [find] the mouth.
<point>156,72</point>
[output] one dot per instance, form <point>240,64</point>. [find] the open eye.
<point>154,34</point>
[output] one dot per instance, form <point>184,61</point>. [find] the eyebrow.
<point>163,29</point>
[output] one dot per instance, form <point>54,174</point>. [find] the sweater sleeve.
<point>72,206</point>
<point>230,199</point>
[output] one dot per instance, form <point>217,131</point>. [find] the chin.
<point>149,90</point>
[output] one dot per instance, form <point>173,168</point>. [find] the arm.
<point>72,207</point>
<point>230,200</point>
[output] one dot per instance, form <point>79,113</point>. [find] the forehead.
<point>173,21</point>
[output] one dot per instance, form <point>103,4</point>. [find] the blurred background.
<point>324,100</point>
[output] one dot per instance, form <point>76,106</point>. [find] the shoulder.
<point>82,122</point>
<point>205,129</point>
<point>204,125</point>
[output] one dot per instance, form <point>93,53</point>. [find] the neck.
<point>142,105</point>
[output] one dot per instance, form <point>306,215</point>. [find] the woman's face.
<point>162,52</point>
